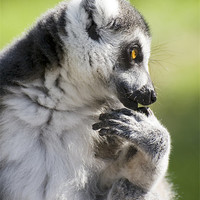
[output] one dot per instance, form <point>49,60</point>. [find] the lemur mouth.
<point>133,105</point>
<point>141,97</point>
<point>130,98</point>
<point>129,103</point>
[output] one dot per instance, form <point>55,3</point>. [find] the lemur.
<point>70,124</point>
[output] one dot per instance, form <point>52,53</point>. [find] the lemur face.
<point>113,41</point>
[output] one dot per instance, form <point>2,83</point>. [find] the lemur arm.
<point>143,160</point>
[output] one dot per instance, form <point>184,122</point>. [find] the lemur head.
<point>109,43</point>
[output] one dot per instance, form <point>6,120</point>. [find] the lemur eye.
<point>134,53</point>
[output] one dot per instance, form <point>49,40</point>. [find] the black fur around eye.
<point>130,55</point>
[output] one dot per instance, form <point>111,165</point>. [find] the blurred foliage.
<point>174,68</point>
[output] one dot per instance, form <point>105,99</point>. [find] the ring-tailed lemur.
<point>81,60</point>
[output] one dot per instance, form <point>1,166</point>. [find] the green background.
<point>174,69</point>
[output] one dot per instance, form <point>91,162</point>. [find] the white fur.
<point>110,8</point>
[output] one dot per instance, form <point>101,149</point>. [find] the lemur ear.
<point>92,28</point>
<point>89,4</point>
<point>106,8</point>
<point>100,13</point>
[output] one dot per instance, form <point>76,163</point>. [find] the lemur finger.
<point>128,112</point>
<point>145,110</point>
<point>110,123</point>
<point>108,131</point>
<point>141,110</point>
<point>116,114</point>
<point>114,131</point>
<point>106,123</point>
<point>122,117</point>
<point>124,111</point>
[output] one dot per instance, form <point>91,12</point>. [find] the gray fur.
<point>43,48</point>
<point>124,190</point>
<point>68,77</point>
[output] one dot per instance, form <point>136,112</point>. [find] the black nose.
<point>153,96</point>
<point>144,96</point>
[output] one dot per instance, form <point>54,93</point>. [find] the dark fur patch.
<point>124,189</point>
<point>40,48</point>
<point>57,84</point>
<point>50,117</point>
<point>90,61</point>
<point>93,32</point>
<point>62,21</point>
<point>17,62</point>
<point>108,148</point>
<point>92,28</point>
<point>125,61</point>
<point>130,153</point>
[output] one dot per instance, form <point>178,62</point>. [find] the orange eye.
<point>134,53</point>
